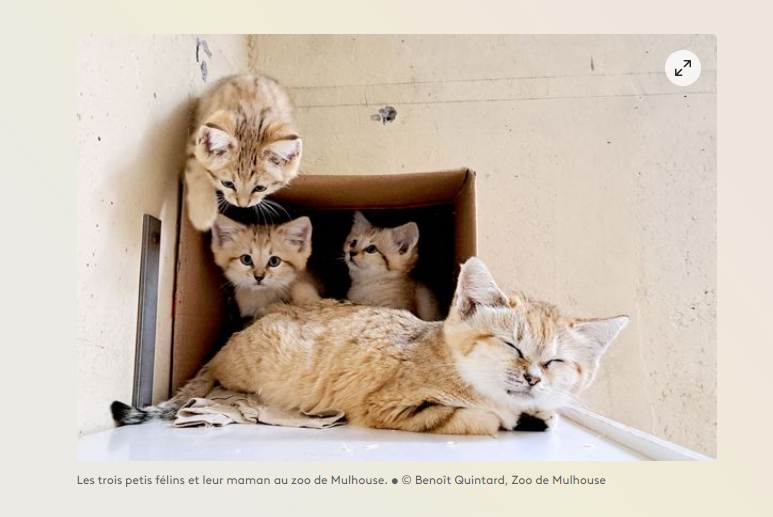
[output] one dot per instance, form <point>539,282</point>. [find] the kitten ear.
<point>284,151</point>
<point>475,288</point>
<point>360,223</point>
<point>406,237</point>
<point>214,142</point>
<point>601,332</point>
<point>224,230</point>
<point>297,233</point>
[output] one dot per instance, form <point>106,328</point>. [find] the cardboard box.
<point>441,203</point>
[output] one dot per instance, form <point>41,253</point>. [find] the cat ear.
<point>214,141</point>
<point>284,151</point>
<point>224,230</point>
<point>360,223</point>
<point>297,233</point>
<point>600,332</point>
<point>475,288</point>
<point>406,237</point>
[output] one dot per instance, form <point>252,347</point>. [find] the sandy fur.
<point>244,135</point>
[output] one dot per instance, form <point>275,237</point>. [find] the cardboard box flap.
<point>375,191</point>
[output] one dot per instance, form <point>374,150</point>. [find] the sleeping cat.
<point>265,264</point>
<point>245,147</point>
<point>380,261</point>
<point>496,362</point>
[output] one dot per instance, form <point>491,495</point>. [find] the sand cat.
<point>265,263</point>
<point>244,147</point>
<point>380,261</point>
<point>496,362</point>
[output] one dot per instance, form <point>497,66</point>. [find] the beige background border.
<point>40,468</point>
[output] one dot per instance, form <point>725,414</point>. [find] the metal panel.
<point>147,312</point>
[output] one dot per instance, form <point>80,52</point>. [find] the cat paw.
<point>536,421</point>
<point>202,215</point>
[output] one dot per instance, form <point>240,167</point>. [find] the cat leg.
<point>431,417</point>
<point>426,304</point>
<point>202,197</point>
<point>304,292</point>
<point>469,421</point>
<point>536,421</point>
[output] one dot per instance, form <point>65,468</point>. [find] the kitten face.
<point>520,352</point>
<point>371,251</point>
<point>245,163</point>
<point>261,257</point>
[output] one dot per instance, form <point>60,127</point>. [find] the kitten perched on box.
<point>380,261</point>
<point>245,147</point>
<point>496,362</point>
<point>265,264</point>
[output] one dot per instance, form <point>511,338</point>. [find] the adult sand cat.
<point>245,146</point>
<point>494,357</point>
<point>265,264</point>
<point>380,261</point>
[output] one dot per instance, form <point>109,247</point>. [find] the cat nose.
<point>532,379</point>
<point>352,254</point>
<point>259,278</point>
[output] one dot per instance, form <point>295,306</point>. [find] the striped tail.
<point>199,386</point>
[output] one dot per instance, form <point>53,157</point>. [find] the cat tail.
<point>199,386</point>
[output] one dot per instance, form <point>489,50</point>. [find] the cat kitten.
<point>380,261</point>
<point>245,147</point>
<point>496,362</point>
<point>265,264</point>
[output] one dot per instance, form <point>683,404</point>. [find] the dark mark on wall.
<point>201,45</point>
<point>384,115</point>
<point>592,67</point>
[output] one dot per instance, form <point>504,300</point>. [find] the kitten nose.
<point>352,254</point>
<point>532,379</point>
<point>259,278</point>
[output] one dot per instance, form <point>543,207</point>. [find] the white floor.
<point>161,441</point>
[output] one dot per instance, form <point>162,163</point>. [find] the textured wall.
<point>133,110</point>
<point>597,181</point>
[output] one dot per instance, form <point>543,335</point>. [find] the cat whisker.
<point>277,207</point>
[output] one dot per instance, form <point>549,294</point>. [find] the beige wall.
<point>133,110</point>
<point>596,181</point>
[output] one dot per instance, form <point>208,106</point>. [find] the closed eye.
<point>520,354</point>
<point>545,365</point>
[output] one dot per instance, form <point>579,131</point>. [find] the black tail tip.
<point>120,411</point>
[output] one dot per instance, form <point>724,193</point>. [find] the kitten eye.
<point>371,249</point>
<point>520,354</point>
<point>274,261</point>
<point>228,184</point>
<point>545,365</point>
<point>246,260</point>
<point>259,188</point>
<point>353,243</point>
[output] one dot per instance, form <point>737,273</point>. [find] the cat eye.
<point>228,184</point>
<point>246,260</point>
<point>371,249</point>
<point>274,261</point>
<point>545,365</point>
<point>353,243</point>
<point>520,354</point>
<point>259,188</point>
